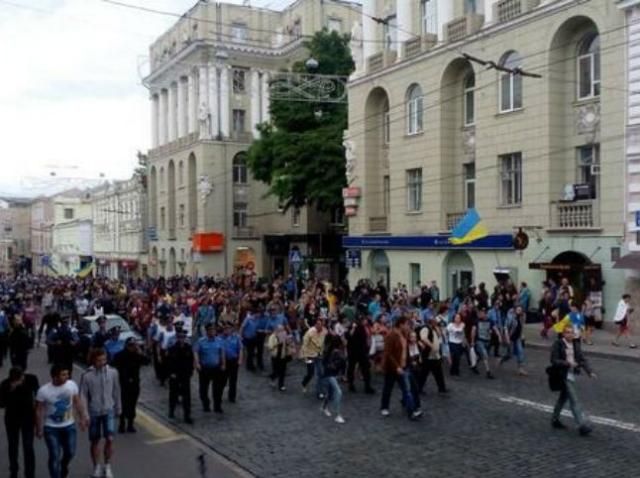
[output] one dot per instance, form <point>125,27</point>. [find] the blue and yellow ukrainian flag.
<point>469,229</point>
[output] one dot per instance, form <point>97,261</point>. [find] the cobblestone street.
<point>484,428</point>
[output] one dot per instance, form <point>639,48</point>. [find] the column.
<point>164,111</point>
<point>172,115</point>
<point>265,97</point>
<point>256,101</point>
<point>203,103</point>
<point>224,101</point>
<point>182,107</point>
<point>155,113</point>
<point>405,24</point>
<point>191,104</point>
<point>369,45</point>
<point>213,100</point>
<point>445,15</point>
<point>488,11</point>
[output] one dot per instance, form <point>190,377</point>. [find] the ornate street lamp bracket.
<point>285,86</point>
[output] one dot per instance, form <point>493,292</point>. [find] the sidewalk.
<point>601,344</point>
<point>155,450</point>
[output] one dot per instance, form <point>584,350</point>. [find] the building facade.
<point>41,235</point>
<point>119,212</point>
<point>209,88</point>
<point>72,234</point>
<point>15,237</point>
<point>513,107</point>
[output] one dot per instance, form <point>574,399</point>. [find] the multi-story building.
<point>72,232</point>
<point>15,238</point>
<point>42,234</point>
<point>433,132</point>
<point>119,228</point>
<point>209,88</point>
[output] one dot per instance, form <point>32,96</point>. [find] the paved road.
<point>157,450</point>
<point>485,428</point>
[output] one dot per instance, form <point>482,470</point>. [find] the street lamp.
<point>311,64</point>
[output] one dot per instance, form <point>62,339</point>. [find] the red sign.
<point>350,211</point>
<point>352,192</point>
<point>208,242</point>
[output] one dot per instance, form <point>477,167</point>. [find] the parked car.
<point>87,326</point>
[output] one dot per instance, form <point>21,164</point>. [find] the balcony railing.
<point>378,224</point>
<point>376,62</point>
<point>453,218</point>
<point>413,47</point>
<point>244,232</point>
<point>575,215</point>
<point>506,10</point>
<point>463,26</point>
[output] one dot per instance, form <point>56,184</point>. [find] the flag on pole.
<point>468,229</point>
<point>86,270</point>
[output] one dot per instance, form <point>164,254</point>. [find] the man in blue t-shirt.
<point>249,334</point>
<point>209,361</point>
<point>233,356</point>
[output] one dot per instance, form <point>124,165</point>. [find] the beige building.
<point>433,133</point>
<point>72,234</point>
<point>119,228</point>
<point>15,237</point>
<point>209,87</point>
<point>41,234</point>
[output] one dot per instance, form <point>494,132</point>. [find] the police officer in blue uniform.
<point>209,361</point>
<point>233,355</point>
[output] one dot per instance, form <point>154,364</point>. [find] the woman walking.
<point>334,363</point>
<point>279,345</point>
<point>456,343</point>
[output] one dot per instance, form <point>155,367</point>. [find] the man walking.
<point>180,359</point>
<point>17,397</point>
<point>233,355</point>
<point>311,351</point>
<point>128,363</point>
<point>100,391</point>
<point>209,361</point>
<point>56,403</point>
<point>358,354</point>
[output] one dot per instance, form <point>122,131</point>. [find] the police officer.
<point>209,361</point>
<point>128,363</point>
<point>180,361</point>
<point>101,335</point>
<point>233,355</point>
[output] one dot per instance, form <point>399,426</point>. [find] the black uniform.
<point>19,345</point>
<point>128,364</point>
<point>180,363</point>
<point>358,354</point>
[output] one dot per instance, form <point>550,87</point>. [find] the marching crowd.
<point>213,327</point>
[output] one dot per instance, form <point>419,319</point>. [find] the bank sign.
<point>492,242</point>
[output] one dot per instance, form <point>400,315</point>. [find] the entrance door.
<point>380,269</point>
<point>460,279</point>
<point>459,270</point>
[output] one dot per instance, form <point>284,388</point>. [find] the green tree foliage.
<point>300,153</point>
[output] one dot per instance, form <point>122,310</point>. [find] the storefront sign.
<point>496,241</point>
<point>350,202</point>
<point>352,192</point>
<point>350,211</point>
<point>353,258</point>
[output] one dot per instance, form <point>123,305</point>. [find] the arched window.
<point>414,109</point>
<point>162,179</point>
<point>240,169</point>
<point>469,98</point>
<point>589,66</point>
<point>181,173</point>
<point>510,83</point>
<point>386,123</point>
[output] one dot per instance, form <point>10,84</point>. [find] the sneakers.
<point>326,411</point>
<point>339,419</point>
<point>283,389</point>
<point>304,389</point>
<point>558,425</point>
<point>584,430</point>
<point>416,414</point>
<point>384,412</point>
<point>274,383</point>
<point>107,471</point>
<point>522,372</point>
<point>98,471</point>
<point>490,376</point>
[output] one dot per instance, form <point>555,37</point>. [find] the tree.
<point>300,153</point>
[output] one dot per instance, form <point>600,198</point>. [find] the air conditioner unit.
<point>595,169</point>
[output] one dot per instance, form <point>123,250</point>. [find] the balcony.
<point>506,10</point>
<point>244,232</point>
<point>453,218</point>
<point>381,60</point>
<point>575,216</point>
<point>378,224</point>
<point>462,27</point>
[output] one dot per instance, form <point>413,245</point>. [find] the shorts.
<point>590,321</point>
<point>623,325</point>
<point>482,349</point>
<point>102,426</point>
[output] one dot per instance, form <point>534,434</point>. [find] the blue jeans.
<point>514,348</point>
<point>61,443</point>
<point>408,387</point>
<point>334,394</point>
<point>569,393</point>
<point>314,369</point>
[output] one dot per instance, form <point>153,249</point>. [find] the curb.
<point>589,353</point>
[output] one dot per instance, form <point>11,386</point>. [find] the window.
<point>181,215</point>
<point>470,6</point>
<point>337,216</point>
<point>239,215</point>
<point>511,179</point>
<point>386,195</point>
<point>390,32</point>
<point>239,80</point>
<point>163,218</point>
<point>414,189</point>
<point>414,275</point>
<point>469,99</point>
<point>334,25</point>
<point>414,110</point>
<point>240,169</point>
<point>238,121</point>
<point>511,84</point>
<point>469,185</point>
<point>589,67</point>
<point>180,173</point>
<point>239,32</point>
<point>386,123</point>
<point>428,11</point>
<point>295,217</point>
<point>589,167</point>
<point>68,213</point>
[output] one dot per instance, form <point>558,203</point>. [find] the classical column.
<point>369,44</point>
<point>164,111</point>
<point>445,15</point>
<point>155,112</point>
<point>488,11</point>
<point>405,24</point>
<point>204,115</point>
<point>172,116</point>
<point>213,100</point>
<point>224,101</point>
<point>192,113</point>
<point>182,107</point>
<point>265,114</point>
<point>256,101</point>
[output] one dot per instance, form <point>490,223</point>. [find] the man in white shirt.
<point>56,403</point>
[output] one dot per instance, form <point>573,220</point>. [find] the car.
<point>87,326</point>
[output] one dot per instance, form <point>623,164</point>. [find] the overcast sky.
<point>71,98</point>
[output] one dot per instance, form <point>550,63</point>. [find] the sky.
<point>71,97</point>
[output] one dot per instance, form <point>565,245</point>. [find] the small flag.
<point>86,270</point>
<point>469,229</point>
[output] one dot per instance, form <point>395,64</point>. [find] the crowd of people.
<point>214,327</point>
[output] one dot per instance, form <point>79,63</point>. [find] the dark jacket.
<point>20,402</point>
<point>358,341</point>
<point>559,358</point>
<point>128,365</point>
<point>180,360</point>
